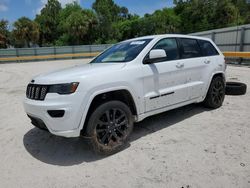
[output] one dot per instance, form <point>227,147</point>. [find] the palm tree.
<point>4,33</point>
<point>26,32</point>
<point>77,26</point>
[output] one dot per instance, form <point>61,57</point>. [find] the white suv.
<point>128,82</point>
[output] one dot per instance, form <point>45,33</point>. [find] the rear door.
<point>211,59</point>
<point>195,65</point>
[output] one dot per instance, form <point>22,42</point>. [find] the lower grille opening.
<point>56,113</point>
<point>38,123</point>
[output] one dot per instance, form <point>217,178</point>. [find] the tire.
<point>236,88</point>
<point>109,127</point>
<point>216,93</point>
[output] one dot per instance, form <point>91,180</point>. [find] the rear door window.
<point>189,48</point>
<point>207,48</point>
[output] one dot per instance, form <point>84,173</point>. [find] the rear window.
<point>189,48</point>
<point>207,48</point>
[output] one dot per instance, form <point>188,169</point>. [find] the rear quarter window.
<point>207,48</point>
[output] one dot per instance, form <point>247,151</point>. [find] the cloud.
<point>3,6</point>
<point>64,2</point>
<point>44,2</point>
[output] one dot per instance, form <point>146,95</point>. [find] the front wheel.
<point>216,93</point>
<point>109,127</point>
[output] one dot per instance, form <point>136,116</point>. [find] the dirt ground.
<point>187,147</point>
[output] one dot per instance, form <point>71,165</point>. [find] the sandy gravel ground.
<point>187,147</point>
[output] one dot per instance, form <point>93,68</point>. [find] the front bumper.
<point>38,122</point>
<point>69,124</point>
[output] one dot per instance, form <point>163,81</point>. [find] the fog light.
<point>56,113</point>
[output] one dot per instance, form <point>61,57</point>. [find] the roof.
<point>167,35</point>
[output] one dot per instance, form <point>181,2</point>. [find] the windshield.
<point>122,52</point>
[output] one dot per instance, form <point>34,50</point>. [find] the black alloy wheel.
<point>109,127</point>
<point>216,93</point>
<point>112,126</point>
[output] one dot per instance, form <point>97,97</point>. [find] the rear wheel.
<point>216,93</point>
<point>109,127</point>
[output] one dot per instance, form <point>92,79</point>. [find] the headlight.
<point>63,89</point>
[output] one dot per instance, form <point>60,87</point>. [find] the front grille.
<point>36,92</point>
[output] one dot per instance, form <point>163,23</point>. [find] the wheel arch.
<point>221,74</point>
<point>215,74</point>
<point>98,98</point>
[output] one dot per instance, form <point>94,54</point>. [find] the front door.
<point>164,81</point>
<point>177,78</point>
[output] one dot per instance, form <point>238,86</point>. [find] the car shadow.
<point>165,119</point>
<point>61,151</point>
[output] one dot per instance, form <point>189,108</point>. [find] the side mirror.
<point>155,55</point>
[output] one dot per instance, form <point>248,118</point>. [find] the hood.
<point>73,74</point>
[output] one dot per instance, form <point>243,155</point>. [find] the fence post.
<point>90,49</point>
<point>73,51</point>
<point>242,39</point>
<point>17,54</point>
<point>54,52</point>
<point>35,52</point>
<point>213,36</point>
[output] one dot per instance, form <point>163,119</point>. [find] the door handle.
<point>207,61</point>
<point>180,65</point>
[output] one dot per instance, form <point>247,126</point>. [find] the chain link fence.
<point>44,53</point>
<point>231,39</point>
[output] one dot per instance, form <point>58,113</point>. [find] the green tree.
<point>48,22</point>
<point>108,13</point>
<point>68,10</point>
<point>125,29</point>
<point>77,25</point>
<point>195,15</point>
<point>200,15</point>
<point>109,23</point>
<point>91,35</point>
<point>243,11</point>
<point>25,32</point>
<point>160,22</point>
<point>4,33</point>
<point>124,13</point>
<point>225,14</point>
<point>165,21</point>
<point>64,14</point>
